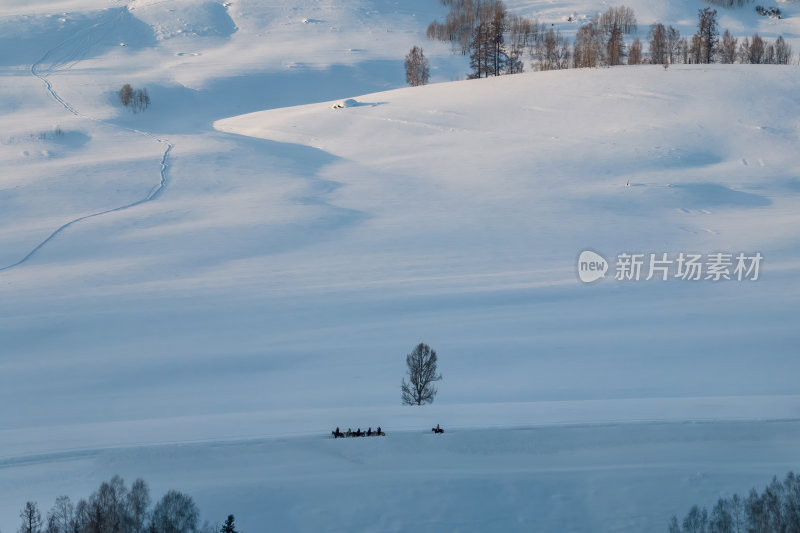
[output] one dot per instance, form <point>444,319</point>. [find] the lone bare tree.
<point>421,375</point>
<point>417,69</point>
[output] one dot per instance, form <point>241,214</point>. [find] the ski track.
<point>74,56</point>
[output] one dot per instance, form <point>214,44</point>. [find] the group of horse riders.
<point>369,433</point>
<point>358,433</point>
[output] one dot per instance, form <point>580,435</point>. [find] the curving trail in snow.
<point>73,56</point>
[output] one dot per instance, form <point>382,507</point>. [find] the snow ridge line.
<point>47,456</point>
<point>154,192</point>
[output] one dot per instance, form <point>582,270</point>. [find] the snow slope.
<point>598,478</point>
<point>273,268</point>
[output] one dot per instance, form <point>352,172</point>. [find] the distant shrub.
<point>134,99</point>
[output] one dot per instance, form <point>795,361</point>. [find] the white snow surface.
<point>197,294</point>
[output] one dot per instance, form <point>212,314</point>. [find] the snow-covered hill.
<point>596,478</point>
<point>207,271</point>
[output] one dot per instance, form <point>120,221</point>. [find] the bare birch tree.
<point>422,373</point>
<point>417,68</point>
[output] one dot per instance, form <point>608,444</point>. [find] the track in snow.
<point>78,44</point>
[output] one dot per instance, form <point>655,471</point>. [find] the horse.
<point>358,433</point>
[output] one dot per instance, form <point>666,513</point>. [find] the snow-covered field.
<point>197,294</point>
<point>627,477</point>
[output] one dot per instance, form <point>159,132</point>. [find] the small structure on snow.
<point>350,102</point>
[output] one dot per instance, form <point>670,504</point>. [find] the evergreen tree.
<point>31,519</point>
<point>479,51</point>
<point>228,526</point>
<point>707,34</point>
<point>497,28</point>
<point>658,44</point>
